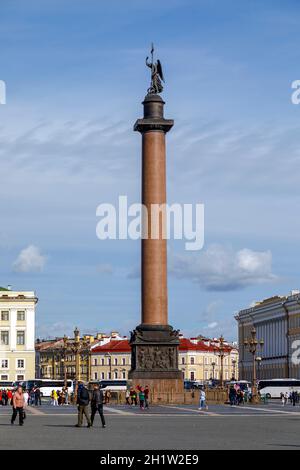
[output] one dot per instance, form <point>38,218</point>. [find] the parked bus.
<point>47,385</point>
<point>113,385</point>
<point>273,388</point>
<point>6,385</point>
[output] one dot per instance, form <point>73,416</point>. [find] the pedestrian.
<point>147,394</point>
<point>66,396</point>
<point>294,398</point>
<point>54,397</point>
<point>107,397</point>
<point>37,397</point>
<point>9,396</point>
<point>232,396</point>
<point>97,405</point>
<point>142,398</point>
<point>127,397</point>
<point>32,396</point>
<point>26,397</point>
<point>83,399</point>
<point>134,397</point>
<point>18,406</point>
<point>202,403</point>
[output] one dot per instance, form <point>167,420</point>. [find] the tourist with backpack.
<point>83,400</point>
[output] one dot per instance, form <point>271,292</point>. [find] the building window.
<point>109,361</point>
<point>4,377</point>
<point>182,360</point>
<point>192,375</point>
<point>20,338</point>
<point>20,377</point>
<point>109,376</point>
<point>102,376</point>
<point>4,338</point>
<point>102,362</point>
<point>123,361</point>
<point>20,363</point>
<point>95,362</point>
<point>4,363</point>
<point>116,361</point>
<point>123,375</point>
<point>192,361</point>
<point>5,315</point>
<point>96,376</point>
<point>20,315</point>
<point>116,375</point>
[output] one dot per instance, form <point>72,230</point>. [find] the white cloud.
<point>212,325</point>
<point>105,269</point>
<point>221,269</point>
<point>30,260</point>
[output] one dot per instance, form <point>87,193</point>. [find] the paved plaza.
<point>162,427</point>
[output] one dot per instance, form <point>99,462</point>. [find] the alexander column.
<point>154,342</point>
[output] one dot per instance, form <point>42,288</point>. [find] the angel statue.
<point>156,75</point>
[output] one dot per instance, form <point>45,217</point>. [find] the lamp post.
<point>258,361</point>
<point>64,359</point>
<point>252,344</point>
<point>233,368</point>
<point>213,364</point>
<point>110,364</point>
<point>221,351</point>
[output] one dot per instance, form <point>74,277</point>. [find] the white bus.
<point>47,385</point>
<point>274,387</point>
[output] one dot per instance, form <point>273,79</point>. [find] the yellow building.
<point>199,359</point>
<point>17,327</point>
<point>55,358</point>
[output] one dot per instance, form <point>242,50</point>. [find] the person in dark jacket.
<point>83,400</point>
<point>97,405</point>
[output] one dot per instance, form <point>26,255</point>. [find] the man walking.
<point>97,405</point>
<point>202,404</point>
<point>83,399</point>
<point>18,406</point>
<point>147,393</point>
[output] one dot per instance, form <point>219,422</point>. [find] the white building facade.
<point>17,335</point>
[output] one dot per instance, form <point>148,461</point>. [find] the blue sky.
<point>75,79</point>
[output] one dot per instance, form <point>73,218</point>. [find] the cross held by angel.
<point>157,76</point>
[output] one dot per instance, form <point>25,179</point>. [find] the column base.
<point>154,354</point>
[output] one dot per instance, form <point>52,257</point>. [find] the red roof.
<point>185,345</point>
<point>114,345</point>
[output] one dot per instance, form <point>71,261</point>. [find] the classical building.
<point>277,322</point>
<point>57,357</point>
<point>17,326</point>
<point>198,359</point>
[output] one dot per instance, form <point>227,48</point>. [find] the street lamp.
<point>252,344</point>
<point>233,368</point>
<point>258,361</point>
<point>213,364</point>
<point>221,351</point>
<point>110,364</point>
<point>64,359</point>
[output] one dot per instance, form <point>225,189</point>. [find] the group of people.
<point>237,396</point>
<point>139,396</point>
<point>5,396</point>
<point>84,399</point>
<point>293,397</point>
<point>59,397</point>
